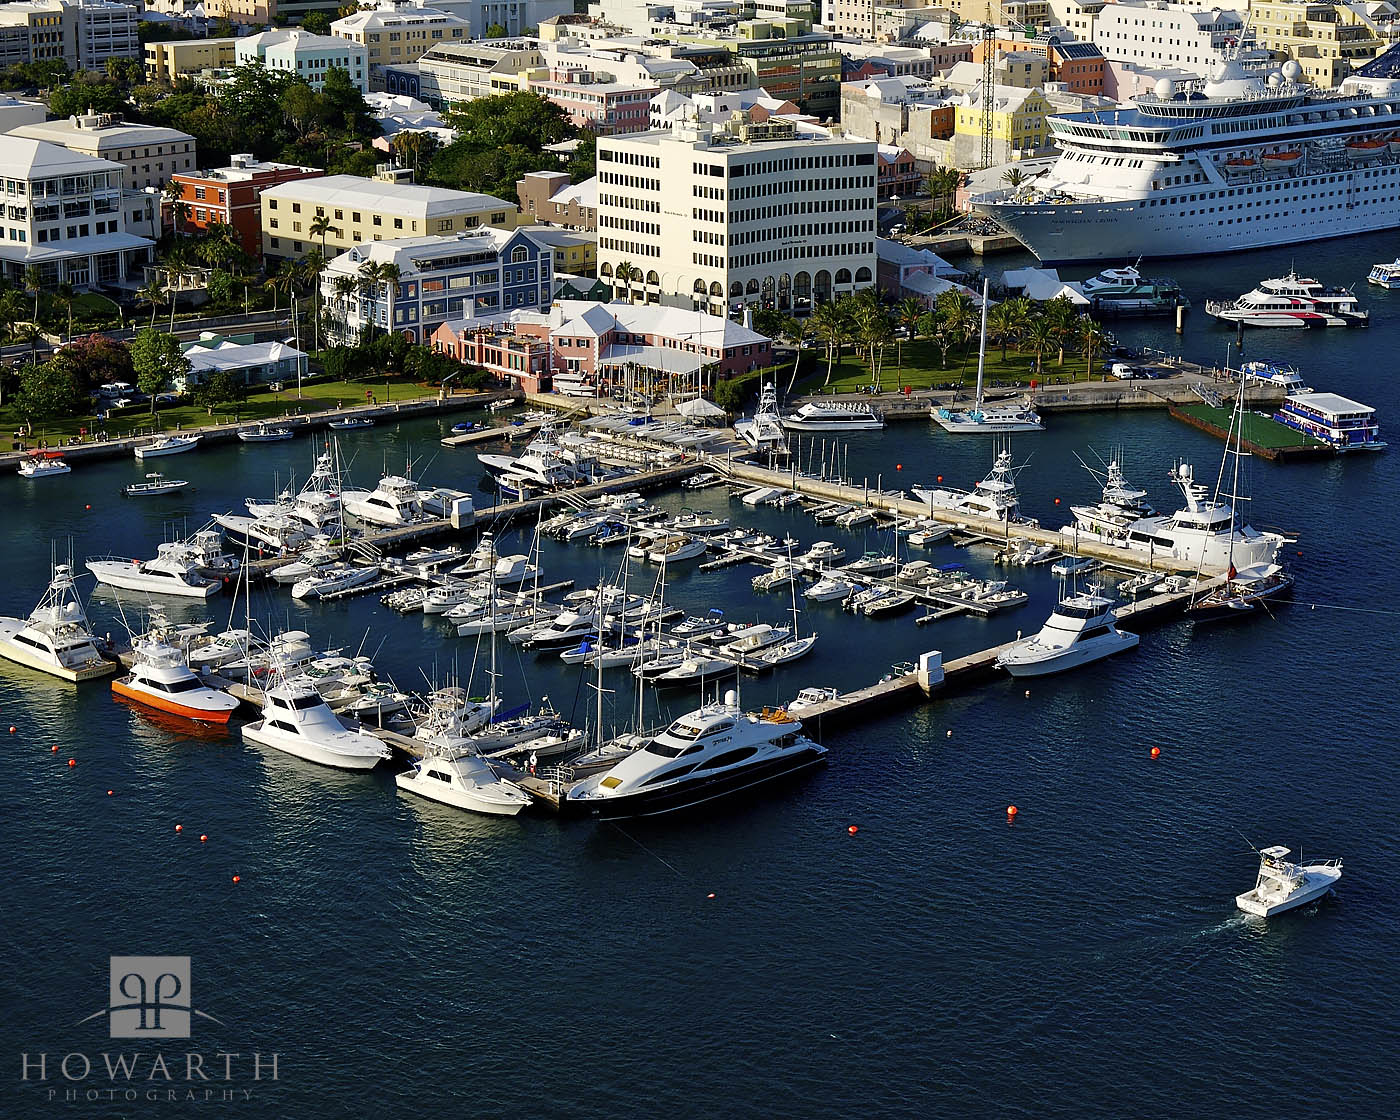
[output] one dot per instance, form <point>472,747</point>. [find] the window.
<point>398,223</point>
<point>296,207</point>
<point>377,220</point>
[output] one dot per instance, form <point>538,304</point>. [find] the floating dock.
<point>1260,435</point>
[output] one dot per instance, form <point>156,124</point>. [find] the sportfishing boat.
<point>161,679</point>
<point>812,697</point>
<point>1242,594</point>
<point>340,577</point>
<point>1078,631</point>
<point>994,497</point>
<point>1385,275</point>
<point>56,637</point>
<point>297,720</point>
<point>1125,291</point>
<point>174,571</point>
<point>983,418</point>
<point>1154,175</point>
<point>1292,301</point>
<point>155,485</point>
<point>351,423</point>
<point>463,780</point>
<point>695,668</point>
<point>830,589</point>
<point>834,416</point>
<point>1282,885</point>
<point>713,752</point>
<point>377,703</point>
<point>397,500</point>
<point>220,650</point>
<point>166,445</point>
<point>542,466</point>
<point>763,431</point>
<point>316,507</point>
<point>43,464</point>
<point>264,433</point>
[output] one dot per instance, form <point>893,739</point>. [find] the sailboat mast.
<point>982,342</point>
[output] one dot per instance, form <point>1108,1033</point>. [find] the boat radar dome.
<point>731,699</point>
<point>1275,79</point>
<point>1164,89</point>
<point>1231,81</point>
<point>1292,70</point>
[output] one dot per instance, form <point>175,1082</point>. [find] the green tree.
<point>84,92</point>
<point>1013,177</point>
<point>220,387</point>
<point>504,119</point>
<point>415,150</point>
<point>46,392</point>
<point>94,360</point>
<point>496,31</point>
<point>1041,335</point>
<point>318,23</point>
<point>732,395</point>
<point>65,297</point>
<point>34,282</point>
<point>1092,337</point>
<point>154,295</point>
<point>584,162</point>
<point>829,328</point>
<point>157,361</point>
<point>768,321</point>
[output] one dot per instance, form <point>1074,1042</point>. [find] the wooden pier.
<point>481,435</point>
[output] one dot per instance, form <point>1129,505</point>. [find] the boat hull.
<point>128,578</point>
<point>160,452</point>
<point>1319,882</point>
<point>309,751</point>
<point>162,703</point>
<point>650,803</point>
<point>472,801</point>
<point>20,654</point>
<point>1071,657</point>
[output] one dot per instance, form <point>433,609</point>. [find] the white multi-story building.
<point>309,56</point>
<point>84,34</point>
<point>757,215</point>
<point>516,16</point>
<point>475,275</point>
<point>1156,33</point>
<point>64,214</point>
<point>150,153</point>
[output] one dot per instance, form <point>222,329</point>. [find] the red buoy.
<point>87,507</point>
<point>109,793</point>
<point>53,749</point>
<point>710,895</point>
<point>1156,752</point>
<point>1057,501</point>
<point>1011,810</point>
<point>853,829</point>
<point>179,828</point>
<point>203,838</point>
<point>899,466</point>
<point>12,729</point>
<point>238,878</point>
<point>72,762</point>
<point>940,478</point>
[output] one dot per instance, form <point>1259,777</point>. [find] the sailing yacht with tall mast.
<point>982,418</point>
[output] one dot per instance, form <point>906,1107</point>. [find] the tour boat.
<point>160,678</point>
<point>1291,301</point>
<point>713,752</point>
<point>834,416</point>
<point>56,637</point>
<point>155,485</point>
<point>297,720</point>
<point>1125,291</point>
<point>465,781</point>
<point>1341,423</point>
<point>166,445</point>
<point>1385,275</point>
<point>264,433</point>
<point>1078,631</point>
<point>1282,885</point>
<point>44,464</point>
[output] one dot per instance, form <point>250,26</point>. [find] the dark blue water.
<point>1086,961</point>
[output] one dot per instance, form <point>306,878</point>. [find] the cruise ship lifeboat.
<point>1240,166</point>
<point>1360,150</point>
<point>1281,161</point>
<point>1394,144</point>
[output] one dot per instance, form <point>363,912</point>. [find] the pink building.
<point>606,108</point>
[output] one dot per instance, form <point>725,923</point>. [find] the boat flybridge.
<point>763,431</point>
<point>995,497</point>
<point>297,720</point>
<point>161,679</point>
<point>1283,885</point>
<point>983,418</point>
<point>56,638</point>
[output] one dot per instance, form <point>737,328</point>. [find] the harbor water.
<point>760,960</point>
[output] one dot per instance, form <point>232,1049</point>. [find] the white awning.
<point>700,409</point>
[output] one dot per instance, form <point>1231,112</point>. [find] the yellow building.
<point>396,34</point>
<point>1018,125</point>
<point>169,62</point>
<point>575,251</point>
<point>1327,40</point>
<point>379,209</point>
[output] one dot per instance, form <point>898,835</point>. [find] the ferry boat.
<point>1125,291</point>
<point>1291,301</point>
<point>1342,424</point>
<point>56,638</point>
<point>1282,885</point>
<point>1079,630</point>
<point>161,679</point>
<point>713,752</point>
<point>1385,275</point>
<point>763,431</point>
<point>1268,371</point>
<point>43,464</point>
<point>1153,176</point>
<point>834,416</point>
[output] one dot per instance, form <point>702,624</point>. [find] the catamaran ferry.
<point>1239,162</point>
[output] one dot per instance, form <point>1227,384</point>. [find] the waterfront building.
<point>83,34</point>
<point>150,153</point>
<point>65,216</point>
<point>253,363</point>
<point>388,206</point>
<point>169,62</point>
<point>1329,40</point>
<point>397,31</point>
<point>549,196</point>
<point>476,274</point>
<point>231,196</point>
<point>310,57</point>
<point>755,214</point>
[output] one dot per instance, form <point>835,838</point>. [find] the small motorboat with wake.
<point>1282,885</point>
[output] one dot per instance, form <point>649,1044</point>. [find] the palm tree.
<point>368,280</point>
<point>65,296</point>
<point>153,294</point>
<point>33,282</point>
<point>907,313</point>
<point>1064,317</point>
<point>828,327</point>
<point>320,226</point>
<point>311,266</point>
<point>1041,335</point>
<point>1003,323</point>
<point>175,192</point>
<point>1091,337</point>
<point>873,332</point>
<point>623,273</point>
<point>1013,177</point>
<point>796,331</point>
<point>389,277</point>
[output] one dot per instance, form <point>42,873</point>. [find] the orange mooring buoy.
<point>72,762</point>
<point>1156,752</point>
<point>179,828</point>
<point>238,878</point>
<point>203,837</point>
<point>853,829</point>
<point>1011,811</point>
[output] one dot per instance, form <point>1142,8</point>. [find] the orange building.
<point>231,196</point>
<point>1080,66</point>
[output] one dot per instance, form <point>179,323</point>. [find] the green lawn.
<point>1262,431</point>
<point>259,406</point>
<point>920,366</point>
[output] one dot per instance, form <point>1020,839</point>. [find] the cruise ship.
<point>1243,161</point>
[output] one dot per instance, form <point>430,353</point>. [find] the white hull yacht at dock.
<point>56,638</point>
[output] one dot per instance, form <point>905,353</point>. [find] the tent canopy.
<point>700,409</point>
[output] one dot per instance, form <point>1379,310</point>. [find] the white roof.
<point>585,193</point>
<point>73,247</point>
<point>403,251</point>
<point>576,317</point>
<point>408,199</point>
<point>1330,402</point>
<point>907,256</point>
<point>664,358</point>
<point>34,159</point>
<point>699,409</point>
<point>233,356</point>
<point>1041,284</point>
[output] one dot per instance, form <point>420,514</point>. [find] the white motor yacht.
<point>340,577</point>
<point>316,506</point>
<point>464,781</point>
<point>310,562</point>
<point>542,466</point>
<point>43,464</point>
<point>994,497</point>
<point>397,500</point>
<point>753,638</point>
<point>695,668</point>
<point>834,416</point>
<point>1078,631</point>
<point>764,430</point>
<point>297,720</point>
<point>231,645</point>
<point>166,445</point>
<point>1282,885</point>
<point>161,679</point>
<point>174,571</point>
<point>264,433</point>
<point>56,638</point>
<point>830,589</point>
<point>1292,301</point>
<point>156,484</point>
<point>713,752</point>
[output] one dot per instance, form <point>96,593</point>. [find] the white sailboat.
<point>982,418</point>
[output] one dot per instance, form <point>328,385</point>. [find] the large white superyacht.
<point>1242,161</point>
